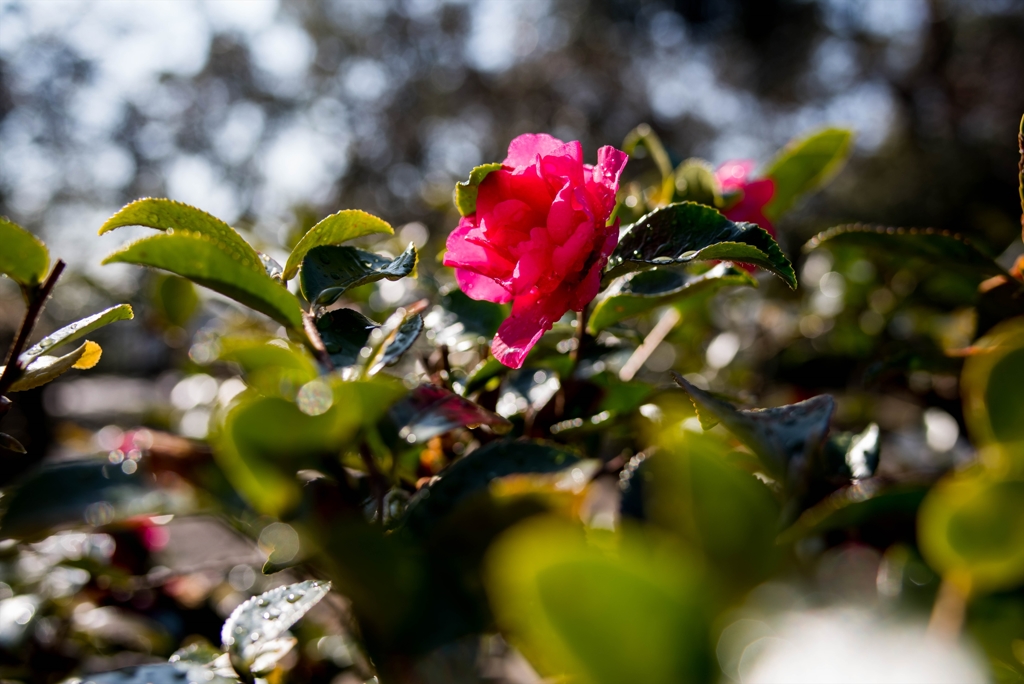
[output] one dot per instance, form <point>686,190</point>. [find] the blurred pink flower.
<point>732,176</point>
<point>539,237</point>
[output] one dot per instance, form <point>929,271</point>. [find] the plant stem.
<point>316,342</point>
<point>376,479</point>
<point>13,369</point>
<point>665,324</point>
<point>947,619</point>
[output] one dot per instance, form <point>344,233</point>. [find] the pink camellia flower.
<point>539,238</point>
<point>732,176</point>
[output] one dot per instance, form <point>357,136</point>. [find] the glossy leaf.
<point>685,232</point>
<point>941,249</point>
<point>388,342</point>
<point>973,528</point>
<point>462,323</point>
<point>804,165</point>
<point>253,632</point>
<point>44,369</point>
<point>466,191</point>
<point>77,330</point>
<point>430,411</point>
<point>472,474</point>
<point>337,228</point>
<point>23,258</point>
<point>263,441</point>
<point>851,456</point>
<point>637,293</point>
<point>168,215</point>
<point>346,331</point>
<point>11,444</point>
<point>633,613</point>
<point>162,673</point>
<point>202,259</point>
<point>695,182</point>
<point>992,389</point>
<point>327,272</point>
<point>854,506</point>
<point>77,494</point>
<point>787,439</point>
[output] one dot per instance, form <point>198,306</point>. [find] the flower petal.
<point>481,287</point>
<point>521,331</point>
<point>523,150</point>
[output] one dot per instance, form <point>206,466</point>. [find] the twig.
<point>947,619</point>
<point>315,341</point>
<point>657,335</point>
<point>13,369</point>
<point>376,479</point>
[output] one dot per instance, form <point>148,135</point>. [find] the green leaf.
<point>466,191</point>
<point>337,228</point>
<point>991,387</point>
<point>941,249</point>
<point>635,612</point>
<point>854,506</point>
<point>327,272</point>
<point>472,474</point>
<point>78,494</point>
<point>77,330</point>
<point>695,182</point>
<point>273,366</point>
<point>263,441</point>
<point>804,165</point>
<point>430,411</point>
<point>713,505</point>
<point>44,369</point>
<point>974,527</point>
<point>24,258</point>
<point>168,215</point>
<point>174,299</point>
<point>253,631</point>
<point>202,260</point>
<point>637,293</point>
<point>685,232</point>
<point>643,134</point>
<point>11,444</point>
<point>787,439</point>
<point>392,339</point>
<point>346,331</point>
<point>851,456</point>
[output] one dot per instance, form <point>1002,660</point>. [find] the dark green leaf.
<point>44,369</point>
<point>204,261</point>
<point>253,632</point>
<point>473,473</point>
<point>853,506</point>
<point>327,272</point>
<point>168,215</point>
<point>346,331</point>
<point>695,182</point>
<point>941,249</point>
<point>851,456</point>
<point>77,330</point>
<point>23,258</point>
<point>11,444</point>
<point>685,232</point>
<point>333,230</point>
<point>466,191</point>
<point>78,494</point>
<point>637,293</point>
<point>463,323</point>
<point>804,165</point>
<point>786,439</point>
<point>430,411</point>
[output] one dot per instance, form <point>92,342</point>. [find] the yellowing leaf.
<point>46,368</point>
<point>90,357</point>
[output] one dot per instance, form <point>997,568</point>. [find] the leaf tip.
<point>90,357</point>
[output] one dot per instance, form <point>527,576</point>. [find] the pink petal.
<point>466,251</point>
<point>521,331</point>
<point>610,164</point>
<point>477,286</point>
<point>523,150</point>
<point>591,283</point>
<point>733,174</point>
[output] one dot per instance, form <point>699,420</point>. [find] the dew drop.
<point>262,602</point>
<point>255,636</point>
